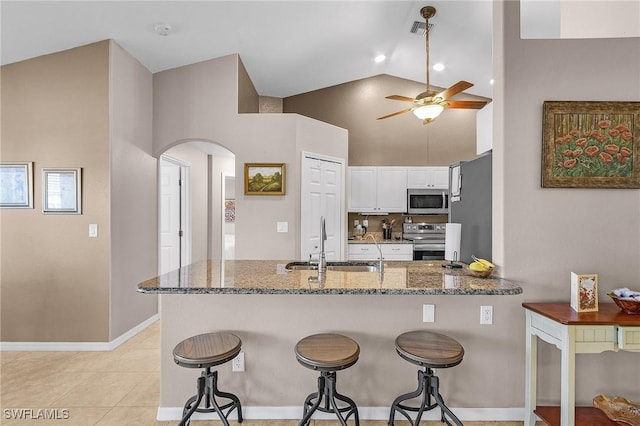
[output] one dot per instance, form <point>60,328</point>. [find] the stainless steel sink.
<point>335,266</point>
<point>353,268</point>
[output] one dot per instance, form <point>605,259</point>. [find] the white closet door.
<point>322,189</point>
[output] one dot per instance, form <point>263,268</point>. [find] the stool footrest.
<point>428,387</point>
<point>208,390</point>
<point>328,394</point>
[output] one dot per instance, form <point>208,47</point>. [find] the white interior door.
<point>174,221</point>
<point>322,189</point>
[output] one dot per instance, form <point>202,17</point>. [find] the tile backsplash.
<point>375,221</point>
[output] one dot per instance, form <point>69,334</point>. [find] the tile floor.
<point>117,388</point>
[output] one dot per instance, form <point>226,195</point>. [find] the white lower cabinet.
<point>389,252</point>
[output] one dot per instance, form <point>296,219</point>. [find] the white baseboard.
<point>365,413</point>
<point>78,346</point>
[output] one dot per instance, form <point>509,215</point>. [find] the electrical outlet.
<point>428,313</point>
<point>365,223</point>
<point>486,314</point>
<point>237,364</point>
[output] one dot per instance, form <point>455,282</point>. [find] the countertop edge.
<point>335,291</point>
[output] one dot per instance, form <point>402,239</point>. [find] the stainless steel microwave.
<point>427,201</point>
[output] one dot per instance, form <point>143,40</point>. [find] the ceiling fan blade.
<point>400,98</point>
<point>394,114</point>
<point>455,89</point>
<point>466,104</point>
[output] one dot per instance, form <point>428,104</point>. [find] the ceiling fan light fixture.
<point>428,112</point>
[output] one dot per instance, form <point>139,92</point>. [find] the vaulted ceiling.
<point>288,47</point>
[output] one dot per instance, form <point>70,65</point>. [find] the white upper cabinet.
<point>428,177</point>
<point>362,189</point>
<point>377,189</point>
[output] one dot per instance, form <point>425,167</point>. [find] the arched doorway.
<point>205,170</point>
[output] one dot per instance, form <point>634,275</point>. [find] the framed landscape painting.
<point>264,178</point>
<point>591,144</point>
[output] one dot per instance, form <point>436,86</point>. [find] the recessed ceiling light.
<point>491,81</point>
<point>438,67</point>
<point>162,29</point>
<point>379,58</point>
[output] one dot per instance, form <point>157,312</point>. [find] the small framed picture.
<point>16,185</point>
<point>264,178</point>
<point>62,190</point>
<point>584,292</point>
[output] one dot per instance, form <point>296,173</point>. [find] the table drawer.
<point>629,338</point>
<point>596,338</point>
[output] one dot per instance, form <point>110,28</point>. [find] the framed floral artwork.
<point>591,144</point>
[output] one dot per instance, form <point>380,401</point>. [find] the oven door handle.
<point>423,246</point>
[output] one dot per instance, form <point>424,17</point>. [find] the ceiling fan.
<point>428,105</point>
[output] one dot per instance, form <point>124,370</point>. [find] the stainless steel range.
<point>428,240</point>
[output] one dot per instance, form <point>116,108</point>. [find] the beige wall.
<point>199,102</point>
<point>133,194</point>
<point>248,99</point>
<point>396,141</point>
<point>541,235</point>
<point>218,166</point>
<point>55,280</point>
<point>544,234</point>
<point>87,107</point>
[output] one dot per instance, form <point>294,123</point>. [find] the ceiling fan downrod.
<point>427,12</point>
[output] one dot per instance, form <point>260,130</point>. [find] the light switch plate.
<point>93,230</point>
<point>282,227</point>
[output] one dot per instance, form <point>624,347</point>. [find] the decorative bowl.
<point>480,274</point>
<point>627,305</point>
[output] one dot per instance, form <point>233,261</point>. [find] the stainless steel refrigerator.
<point>470,205</point>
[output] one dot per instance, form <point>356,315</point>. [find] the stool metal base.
<point>327,392</point>
<point>208,389</point>
<point>428,386</point>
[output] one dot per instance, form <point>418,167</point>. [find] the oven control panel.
<point>423,228</point>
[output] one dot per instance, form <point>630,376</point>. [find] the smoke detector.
<point>162,29</point>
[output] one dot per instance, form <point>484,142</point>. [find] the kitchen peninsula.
<point>270,308</point>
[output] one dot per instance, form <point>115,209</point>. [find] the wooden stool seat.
<point>426,348</point>
<point>207,350</point>
<point>327,351</point>
<point>429,350</point>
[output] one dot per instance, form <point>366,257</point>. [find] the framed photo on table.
<point>62,190</point>
<point>16,185</point>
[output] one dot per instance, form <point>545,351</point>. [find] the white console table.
<point>609,329</point>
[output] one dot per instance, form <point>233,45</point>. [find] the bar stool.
<point>429,350</point>
<point>206,351</point>
<point>328,353</point>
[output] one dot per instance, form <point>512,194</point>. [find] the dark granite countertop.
<point>269,277</point>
